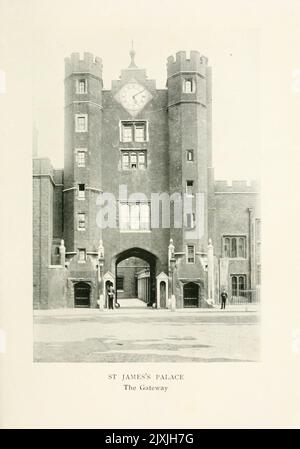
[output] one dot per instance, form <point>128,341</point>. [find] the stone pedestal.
<point>101,302</point>
<point>173,303</point>
<point>62,252</point>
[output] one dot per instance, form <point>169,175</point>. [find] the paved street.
<point>135,333</point>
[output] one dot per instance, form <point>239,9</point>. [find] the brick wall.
<point>232,217</point>
<point>42,229</point>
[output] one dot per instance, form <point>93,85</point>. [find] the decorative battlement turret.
<point>89,64</point>
<point>195,63</point>
<point>83,130</point>
<point>236,186</point>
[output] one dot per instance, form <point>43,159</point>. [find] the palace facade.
<point>157,143</point>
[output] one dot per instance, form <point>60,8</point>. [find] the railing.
<point>245,297</point>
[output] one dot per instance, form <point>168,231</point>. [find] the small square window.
<point>133,131</point>
<point>190,254</point>
<point>190,155</point>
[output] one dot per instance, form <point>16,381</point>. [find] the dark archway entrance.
<point>82,293</point>
<point>163,295</point>
<point>191,295</point>
<point>136,276</point>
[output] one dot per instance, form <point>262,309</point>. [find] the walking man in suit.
<point>223,298</point>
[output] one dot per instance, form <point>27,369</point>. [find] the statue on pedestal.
<point>62,252</point>
<point>171,250</point>
<point>100,250</point>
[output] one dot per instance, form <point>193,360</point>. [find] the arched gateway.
<point>143,278</point>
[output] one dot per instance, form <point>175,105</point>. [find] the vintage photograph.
<point>141,251</point>
<point>149,216</point>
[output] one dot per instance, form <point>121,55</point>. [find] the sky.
<point>107,28</point>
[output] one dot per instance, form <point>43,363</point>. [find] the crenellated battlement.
<point>195,63</point>
<point>236,186</point>
<point>88,64</point>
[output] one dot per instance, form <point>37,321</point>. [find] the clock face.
<point>133,97</point>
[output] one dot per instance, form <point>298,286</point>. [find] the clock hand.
<point>139,93</point>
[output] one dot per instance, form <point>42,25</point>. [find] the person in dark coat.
<point>111,297</point>
<point>223,298</point>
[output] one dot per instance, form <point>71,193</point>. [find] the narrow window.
<point>81,255</point>
<point>190,254</point>
<point>127,132</point>
<point>133,160</point>
<point>81,191</point>
<point>188,85</point>
<point>226,247</point>
<point>233,247</point>
<point>190,155</point>
<point>242,247</point>
<point>242,286</point>
<point>125,161</point>
<point>81,123</point>
<point>134,216</point>
<point>234,286</point>
<point>81,221</point>
<point>142,161</point>
<point>124,216</point>
<point>189,187</point>
<point>140,132</point>
<point>81,86</point>
<point>144,216</point>
<point>80,158</point>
